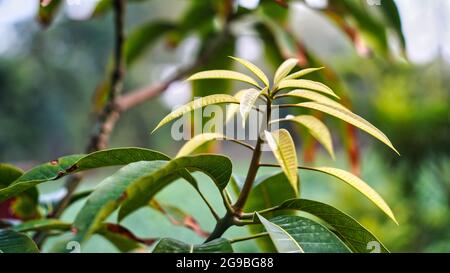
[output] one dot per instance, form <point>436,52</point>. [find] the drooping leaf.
<point>247,102</point>
<point>15,242</point>
<point>168,245</point>
<point>254,69</point>
<point>302,73</point>
<point>282,240</point>
<point>317,129</point>
<point>108,195</point>
<point>295,234</point>
<point>70,164</point>
<point>142,190</point>
<point>283,148</point>
<point>196,104</point>
<point>307,84</point>
<point>314,96</point>
<point>352,233</point>
<point>233,109</point>
<point>223,74</point>
<point>42,224</point>
<point>122,238</point>
<point>284,69</point>
<point>351,118</point>
<point>359,185</point>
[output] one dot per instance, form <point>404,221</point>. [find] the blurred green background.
<point>50,78</point>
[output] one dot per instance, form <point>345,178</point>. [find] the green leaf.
<point>196,104</point>
<point>317,129</point>
<point>15,242</point>
<point>42,224</point>
<point>122,238</point>
<point>307,84</point>
<point>351,118</point>
<point>284,69</point>
<point>197,141</point>
<point>314,96</point>
<point>143,37</point>
<point>247,102</point>
<point>223,74</point>
<point>268,192</point>
<point>254,69</point>
<point>70,164</point>
<point>359,185</point>
<point>8,173</point>
<point>283,148</point>
<point>168,245</point>
<point>282,240</point>
<point>142,190</point>
<point>108,195</point>
<point>302,73</point>
<point>352,233</point>
<point>298,234</point>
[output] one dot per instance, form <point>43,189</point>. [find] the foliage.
<point>146,172</point>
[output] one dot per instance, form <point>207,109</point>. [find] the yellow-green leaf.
<point>198,141</point>
<point>247,102</point>
<point>307,84</point>
<point>198,103</point>
<point>234,108</point>
<point>317,129</point>
<point>283,148</point>
<point>223,74</point>
<point>254,69</point>
<point>359,185</point>
<point>302,73</point>
<point>314,96</point>
<point>284,69</point>
<point>351,118</point>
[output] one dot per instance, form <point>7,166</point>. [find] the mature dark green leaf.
<point>141,191</point>
<point>392,14</point>
<point>15,242</point>
<point>354,235</point>
<point>168,245</point>
<point>267,193</point>
<point>70,164</point>
<point>310,236</point>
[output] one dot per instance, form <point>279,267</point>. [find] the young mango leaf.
<point>142,190</point>
<point>168,245</point>
<point>196,104</point>
<point>295,234</point>
<point>351,118</point>
<point>268,192</point>
<point>247,102</point>
<point>122,238</point>
<point>307,84</point>
<point>317,129</point>
<point>359,185</point>
<point>283,148</point>
<point>302,73</point>
<point>42,224</point>
<point>284,69</point>
<point>223,74</point>
<point>314,96</point>
<point>232,109</point>
<point>254,69</point>
<point>70,164</point>
<point>14,242</point>
<point>352,233</point>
